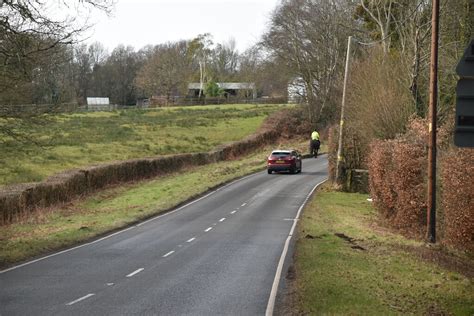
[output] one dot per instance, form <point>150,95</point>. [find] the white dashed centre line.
<point>80,299</point>
<point>135,272</point>
<point>244,204</point>
<point>233,212</point>
<point>208,229</point>
<point>169,253</point>
<point>222,219</point>
<point>191,240</point>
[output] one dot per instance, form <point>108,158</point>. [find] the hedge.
<point>18,201</point>
<point>397,179</point>
<point>457,198</point>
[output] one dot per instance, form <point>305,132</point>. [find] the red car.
<point>284,160</point>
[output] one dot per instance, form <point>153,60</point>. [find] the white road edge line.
<point>222,219</point>
<point>276,281</point>
<point>80,299</point>
<point>191,239</point>
<point>169,253</point>
<point>208,229</point>
<point>128,228</point>
<point>135,272</point>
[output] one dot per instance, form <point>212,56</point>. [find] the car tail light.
<point>285,159</point>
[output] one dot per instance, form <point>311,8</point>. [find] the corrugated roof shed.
<point>225,85</point>
<point>98,101</point>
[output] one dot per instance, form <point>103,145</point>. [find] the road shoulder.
<point>345,263</point>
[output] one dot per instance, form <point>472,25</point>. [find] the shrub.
<point>410,169</point>
<point>397,174</point>
<point>458,197</point>
<point>381,171</point>
<point>378,106</point>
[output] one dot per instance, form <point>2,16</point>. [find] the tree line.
<point>41,61</point>
<point>391,37</point>
<point>69,73</point>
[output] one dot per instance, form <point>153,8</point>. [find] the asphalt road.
<point>219,255</point>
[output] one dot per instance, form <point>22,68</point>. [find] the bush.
<point>397,177</point>
<point>457,177</point>
<point>410,170</point>
<point>381,171</point>
<point>378,106</point>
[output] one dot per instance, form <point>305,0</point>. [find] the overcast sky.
<point>141,22</point>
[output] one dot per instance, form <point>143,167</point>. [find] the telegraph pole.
<point>431,205</point>
<point>341,124</point>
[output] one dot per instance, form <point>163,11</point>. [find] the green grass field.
<point>81,139</point>
<point>367,270</point>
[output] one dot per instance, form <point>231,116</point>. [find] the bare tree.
<point>168,70</point>
<point>27,33</point>
<point>120,71</point>
<point>201,48</point>
<point>381,13</point>
<point>309,36</point>
<point>32,45</point>
<point>225,61</point>
<point>270,75</point>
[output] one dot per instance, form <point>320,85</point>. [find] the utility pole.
<point>431,205</point>
<point>341,124</point>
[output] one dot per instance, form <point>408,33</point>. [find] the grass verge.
<point>346,264</point>
<point>55,228</point>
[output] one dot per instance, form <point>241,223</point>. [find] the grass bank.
<point>346,264</point>
<point>55,228</point>
<point>76,140</point>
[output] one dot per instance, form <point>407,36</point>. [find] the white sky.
<point>141,22</point>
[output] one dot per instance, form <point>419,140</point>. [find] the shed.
<point>230,88</point>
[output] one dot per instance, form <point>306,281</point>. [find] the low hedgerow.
<point>410,166</point>
<point>17,202</point>
<point>381,177</point>
<point>458,197</point>
<point>397,177</point>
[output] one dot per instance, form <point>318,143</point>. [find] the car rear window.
<point>280,153</point>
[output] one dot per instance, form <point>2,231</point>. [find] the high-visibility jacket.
<point>315,135</point>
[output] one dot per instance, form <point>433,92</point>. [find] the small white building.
<point>99,104</point>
